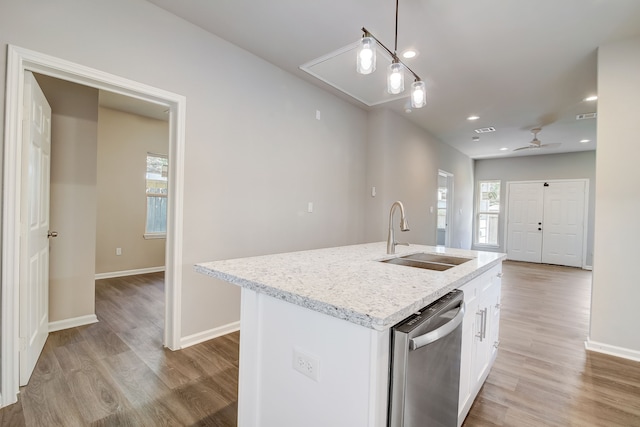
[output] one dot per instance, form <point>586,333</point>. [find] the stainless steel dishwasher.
<point>425,365</point>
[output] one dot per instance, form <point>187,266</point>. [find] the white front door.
<point>34,219</point>
<point>524,226</point>
<point>545,222</point>
<point>563,223</point>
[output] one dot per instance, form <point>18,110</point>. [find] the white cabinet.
<point>480,330</point>
<point>352,364</point>
<point>467,376</point>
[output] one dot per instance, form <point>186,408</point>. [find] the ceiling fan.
<point>535,143</point>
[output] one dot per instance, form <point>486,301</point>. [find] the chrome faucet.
<point>404,226</point>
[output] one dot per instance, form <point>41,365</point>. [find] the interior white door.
<point>34,218</point>
<point>562,235</point>
<point>524,224</point>
<point>445,208</point>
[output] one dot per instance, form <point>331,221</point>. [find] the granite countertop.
<point>349,283</point>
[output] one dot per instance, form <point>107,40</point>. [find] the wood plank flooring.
<point>543,376</point>
<point>116,373</point>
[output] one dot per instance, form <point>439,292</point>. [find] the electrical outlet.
<point>306,364</point>
<point>118,251</point>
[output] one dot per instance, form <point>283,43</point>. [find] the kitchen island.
<point>314,343</point>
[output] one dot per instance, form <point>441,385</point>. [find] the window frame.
<point>151,234</point>
<point>479,213</point>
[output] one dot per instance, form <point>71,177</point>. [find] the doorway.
<point>546,222</point>
<point>444,208</point>
<point>20,61</point>
<point>100,146</point>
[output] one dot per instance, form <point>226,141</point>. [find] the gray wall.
<point>402,163</point>
<point>255,153</point>
<point>616,287</point>
<point>533,168</point>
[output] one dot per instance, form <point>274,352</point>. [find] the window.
<point>488,213</point>
<point>156,177</point>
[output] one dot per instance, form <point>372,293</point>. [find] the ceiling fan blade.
<point>552,145</point>
<point>530,147</point>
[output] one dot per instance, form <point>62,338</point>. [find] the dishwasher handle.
<point>441,332</point>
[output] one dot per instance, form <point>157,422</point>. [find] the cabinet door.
<point>493,333</point>
<point>468,348</point>
<point>479,333</point>
<point>487,326</point>
<point>482,337</point>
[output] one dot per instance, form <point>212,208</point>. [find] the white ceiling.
<point>518,64</point>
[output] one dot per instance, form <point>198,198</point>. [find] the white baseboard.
<point>209,335</point>
<point>612,350</point>
<point>128,272</point>
<point>74,322</point>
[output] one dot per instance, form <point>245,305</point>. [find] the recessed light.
<point>475,138</point>
<point>473,117</point>
<point>584,141</point>
<point>504,149</point>
<point>591,98</point>
<point>409,53</point>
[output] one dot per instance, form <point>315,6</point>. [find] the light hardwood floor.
<point>115,373</point>
<point>543,376</point>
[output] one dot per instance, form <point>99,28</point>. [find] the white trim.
<point>307,68</point>
<point>10,229</point>
<point>20,60</point>
<point>124,273</point>
<point>449,218</point>
<point>587,267</point>
<point>74,322</point>
<point>476,213</point>
<point>612,350</point>
<point>486,246</point>
<point>251,313</point>
<point>585,224</point>
<point>209,335</point>
<point>505,218</point>
<point>151,236</point>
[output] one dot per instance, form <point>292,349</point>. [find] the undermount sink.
<point>428,261</point>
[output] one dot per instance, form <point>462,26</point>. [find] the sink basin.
<point>442,259</point>
<point>428,261</point>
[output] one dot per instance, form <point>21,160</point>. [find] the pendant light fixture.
<point>366,64</point>
<point>418,94</point>
<point>395,78</point>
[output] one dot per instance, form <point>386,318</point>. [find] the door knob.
<point>539,229</point>
<point>51,234</point>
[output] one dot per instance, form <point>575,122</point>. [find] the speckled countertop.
<point>349,283</point>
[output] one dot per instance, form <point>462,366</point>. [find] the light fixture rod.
<point>393,55</point>
<point>395,48</point>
